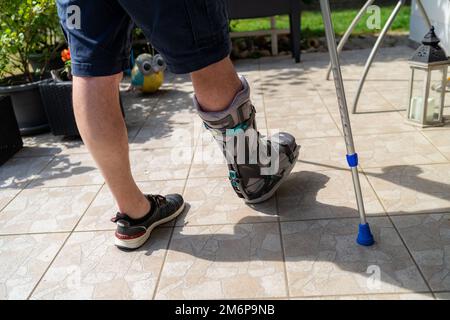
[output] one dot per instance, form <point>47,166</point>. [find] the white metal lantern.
<point>429,68</point>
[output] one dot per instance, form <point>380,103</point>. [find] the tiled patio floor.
<point>56,240</point>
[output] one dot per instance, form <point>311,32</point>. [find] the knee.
<point>102,83</point>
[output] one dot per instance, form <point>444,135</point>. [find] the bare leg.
<point>103,130</point>
<point>216,85</point>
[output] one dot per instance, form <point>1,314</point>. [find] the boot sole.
<point>270,194</point>
<point>138,242</point>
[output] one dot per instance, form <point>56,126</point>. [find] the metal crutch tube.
<point>349,31</point>
<point>365,236</point>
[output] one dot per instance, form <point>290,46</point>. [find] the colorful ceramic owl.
<point>147,74</point>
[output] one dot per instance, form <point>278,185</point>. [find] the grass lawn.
<point>312,25</point>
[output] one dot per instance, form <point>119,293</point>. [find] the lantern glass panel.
<point>417,94</point>
<point>435,96</point>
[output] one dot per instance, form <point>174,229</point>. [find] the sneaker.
<point>132,234</point>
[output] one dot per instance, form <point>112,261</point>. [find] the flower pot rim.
<point>20,87</point>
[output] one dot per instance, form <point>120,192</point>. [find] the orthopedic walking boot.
<point>257,166</point>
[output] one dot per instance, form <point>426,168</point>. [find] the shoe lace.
<point>119,216</point>
<point>159,201</point>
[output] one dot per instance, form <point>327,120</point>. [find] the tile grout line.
<point>48,267</point>
<point>150,112</point>
<point>401,239</point>
<point>286,281</point>
<point>283,256</point>
<point>155,290</point>
<point>431,142</point>
<point>26,185</point>
<point>377,215</point>
<point>361,294</point>
<point>63,244</point>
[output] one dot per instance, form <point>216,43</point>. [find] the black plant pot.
<point>10,139</point>
<point>57,100</point>
<point>27,104</point>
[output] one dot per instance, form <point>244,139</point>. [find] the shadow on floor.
<point>329,243</point>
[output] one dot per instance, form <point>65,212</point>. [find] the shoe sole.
<point>270,194</point>
<point>138,242</point>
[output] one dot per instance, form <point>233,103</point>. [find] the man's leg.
<point>216,85</point>
<point>100,53</point>
<point>101,125</point>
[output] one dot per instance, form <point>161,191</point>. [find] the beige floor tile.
<point>398,97</point>
<point>322,258</point>
<point>23,261</point>
<point>6,195</point>
<point>213,201</point>
<point>171,130</point>
<point>91,267</point>
<point>376,123</point>
<point>440,139</point>
<point>302,127</point>
<point>319,154</point>
<point>46,209</point>
<point>69,170</point>
<point>324,194</point>
<point>40,145</point>
<point>369,101</point>
<point>443,296</point>
<point>286,83</point>
<point>224,262</point>
<point>385,296</point>
<point>406,148</point>
<point>103,208</point>
<point>16,173</point>
<point>428,239</point>
<point>412,189</point>
<point>48,145</point>
<point>208,161</point>
<point>161,164</point>
<point>295,106</point>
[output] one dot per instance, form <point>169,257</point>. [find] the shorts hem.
<point>94,69</point>
<point>203,58</point>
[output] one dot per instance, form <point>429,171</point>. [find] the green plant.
<point>27,28</point>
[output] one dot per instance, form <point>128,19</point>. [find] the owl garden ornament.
<point>147,74</point>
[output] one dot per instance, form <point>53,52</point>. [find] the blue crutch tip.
<point>365,237</point>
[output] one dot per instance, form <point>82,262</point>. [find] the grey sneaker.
<point>131,234</point>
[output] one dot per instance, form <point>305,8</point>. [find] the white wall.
<point>439,13</point>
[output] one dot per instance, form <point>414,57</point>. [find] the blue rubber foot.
<point>365,237</point>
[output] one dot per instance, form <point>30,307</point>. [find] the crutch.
<point>365,236</point>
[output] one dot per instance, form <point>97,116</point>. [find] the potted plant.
<point>57,99</point>
<point>29,37</point>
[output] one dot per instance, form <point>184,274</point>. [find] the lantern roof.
<point>430,51</point>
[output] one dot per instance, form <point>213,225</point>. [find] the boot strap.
<point>236,130</point>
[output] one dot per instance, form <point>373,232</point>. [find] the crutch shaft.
<point>364,236</point>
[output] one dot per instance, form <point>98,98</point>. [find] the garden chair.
<point>378,43</point>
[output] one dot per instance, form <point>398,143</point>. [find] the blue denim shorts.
<point>190,34</point>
